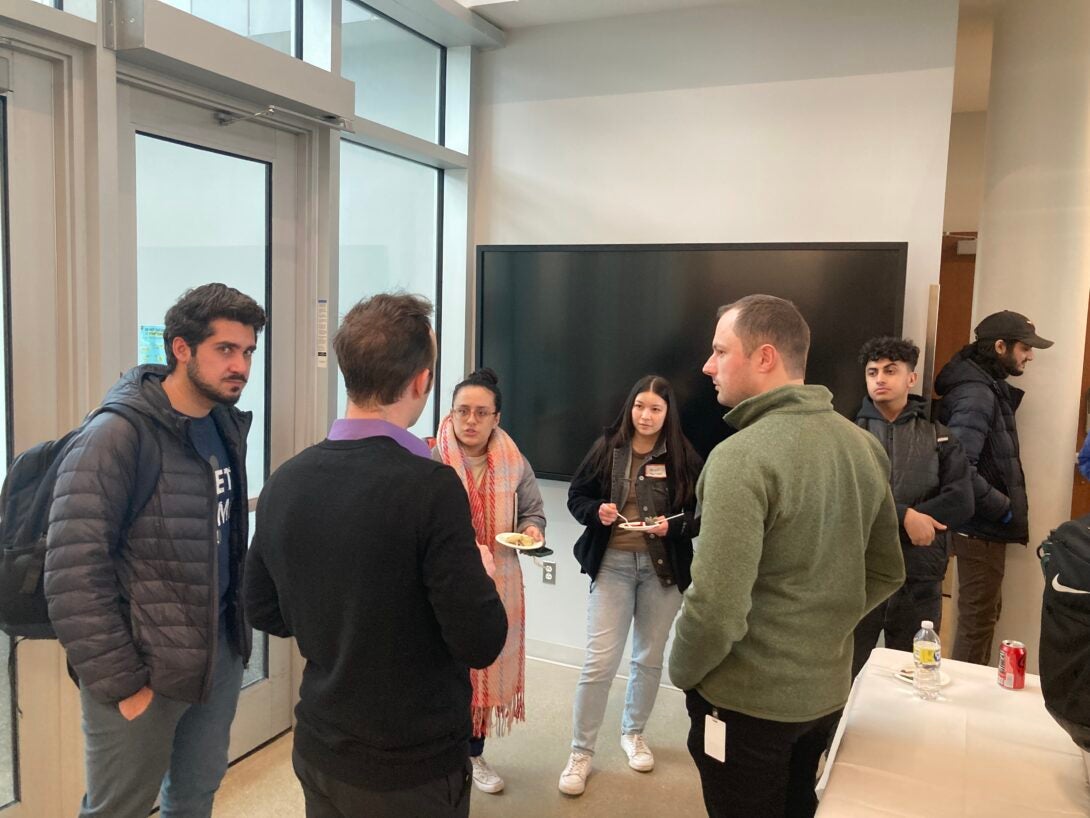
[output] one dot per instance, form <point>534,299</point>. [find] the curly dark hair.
<point>890,348</point>
<point>192,315</point>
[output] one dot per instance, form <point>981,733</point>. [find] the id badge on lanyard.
<point>715,736</point>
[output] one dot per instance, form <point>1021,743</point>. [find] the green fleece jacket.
<point>798,541</point>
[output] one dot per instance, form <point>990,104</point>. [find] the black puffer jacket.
<point>979,408</point>
<point>928,473</point>
<point>141,607</point>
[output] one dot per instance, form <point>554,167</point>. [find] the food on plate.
<point>517,540</point>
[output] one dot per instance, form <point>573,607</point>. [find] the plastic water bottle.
<point>927,653</point>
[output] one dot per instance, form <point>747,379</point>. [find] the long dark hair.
<point>681,458</point>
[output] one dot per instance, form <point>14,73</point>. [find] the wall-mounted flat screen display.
<point>569,329</point>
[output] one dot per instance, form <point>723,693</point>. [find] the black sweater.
<point>365,554</point>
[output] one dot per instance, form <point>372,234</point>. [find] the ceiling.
<point>512,14</point>
<point>972,68</point>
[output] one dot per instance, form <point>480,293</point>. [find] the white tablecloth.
<point>979,751</point>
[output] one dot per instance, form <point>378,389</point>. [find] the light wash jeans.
<point>175,750</point>
<point>626,589</point>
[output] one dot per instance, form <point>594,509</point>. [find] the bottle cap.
<point>928,624</point>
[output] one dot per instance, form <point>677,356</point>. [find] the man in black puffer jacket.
<point>978,406</point>
<point>150,615</point>
<point>932,486</point>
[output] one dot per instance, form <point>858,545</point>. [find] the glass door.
<point>9,774</point>
<point>217,202</point>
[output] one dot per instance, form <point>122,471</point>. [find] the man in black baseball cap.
<point>978,406</point>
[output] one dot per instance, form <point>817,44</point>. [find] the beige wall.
<point>965,172</point>
<point>751,122</point>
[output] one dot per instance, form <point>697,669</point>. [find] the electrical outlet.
<point>548,573</point>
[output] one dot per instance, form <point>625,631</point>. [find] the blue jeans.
<point>175,750</point>
<point>625,589</point>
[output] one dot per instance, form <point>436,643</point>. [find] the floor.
<point>530,760</point>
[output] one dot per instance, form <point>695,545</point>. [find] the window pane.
<point>7,693</point>
<point>201,217</point>
<point>389,210</point>
<point>397,73</point>
<point>269,22</point>
<point>258,668</point>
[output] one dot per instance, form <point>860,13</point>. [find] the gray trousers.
<point>326,797</point>
<point>175,750</point>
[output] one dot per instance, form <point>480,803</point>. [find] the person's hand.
<point>134,706</point>
<point>921,527</point>
<point>607,513</point>
<point>534,532</point>
<point>487,560</point>
<point>660,528</point>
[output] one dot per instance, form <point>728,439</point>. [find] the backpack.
<point>1065,624</point>
<point>25,501</point>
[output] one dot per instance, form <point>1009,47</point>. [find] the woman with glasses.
<point>503,497</point>
<point>635,493</point>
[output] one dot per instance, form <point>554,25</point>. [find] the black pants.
<point>443,797</point>
<point>900,617</point>
<point>771,766</point>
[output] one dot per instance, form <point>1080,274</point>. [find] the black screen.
<point>570,329</point>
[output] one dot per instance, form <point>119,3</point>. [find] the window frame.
<point>441,110</point>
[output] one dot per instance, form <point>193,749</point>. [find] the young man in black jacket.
<point>365,553</point>
<point>978,406</point>
<point>932,487</point>
<point>150,613</point>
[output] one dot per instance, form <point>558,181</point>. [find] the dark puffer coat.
<point>979,408</point>
<point>928,473</point>
<point>141,607</point>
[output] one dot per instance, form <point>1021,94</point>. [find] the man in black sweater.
<point>932,486</point>
<point>364,552</point>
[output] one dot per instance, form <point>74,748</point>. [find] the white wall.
<point>753,122</point>
<point>965,177</point>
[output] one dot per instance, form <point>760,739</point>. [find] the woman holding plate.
<point>635,493</point>
<point>503,497</point>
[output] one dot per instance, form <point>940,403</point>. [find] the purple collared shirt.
<point>359,428</point>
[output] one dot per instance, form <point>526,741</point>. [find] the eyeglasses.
<point>480,413</point>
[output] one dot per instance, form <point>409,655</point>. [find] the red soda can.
<point>1012,665</point>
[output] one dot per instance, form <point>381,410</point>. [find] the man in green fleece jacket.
<point>799,540</point>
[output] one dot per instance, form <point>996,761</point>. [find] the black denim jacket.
<point>671,555</point>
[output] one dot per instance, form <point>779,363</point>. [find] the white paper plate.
<point>907,673</point>
<point>500,538</point>
<point>635,526</point>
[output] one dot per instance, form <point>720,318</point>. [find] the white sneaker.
<point>484,777</point>
<point>639,754</point>
<point>574,778</point>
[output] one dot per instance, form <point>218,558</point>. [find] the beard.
<point>207,390</point>
<point>1010,365</point>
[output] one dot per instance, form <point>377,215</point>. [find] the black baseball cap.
<point>1010,326</point>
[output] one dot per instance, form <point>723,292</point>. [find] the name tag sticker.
<point>715,738</point>
<point>656,470</point>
